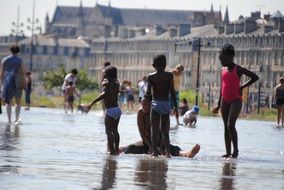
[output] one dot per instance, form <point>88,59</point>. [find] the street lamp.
<point>196,46</point>
<point>259,90</point>
<point>17,26</point>
<point>34,26</point>
<point>210,84</point>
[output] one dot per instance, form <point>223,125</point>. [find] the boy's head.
<point>195,109</point>
<point>281,80</point>
<point>70,83</point>
<point>107,63</point>
<point>180,68</point>
<point>74,71</point>
<point>110,72</point>
<point>160,62</point>
<point>15,48</point>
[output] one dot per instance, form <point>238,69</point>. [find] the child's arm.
<point>148,94</point>
<point>253,77</point>
<point>173,95</point>
<point>100,97</point>
<point>216,109</point>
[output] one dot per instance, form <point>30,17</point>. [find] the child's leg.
<point>278,113</point>
<point>165,128</point>
<point>225,114</point>
<point>109,124</point>
<point>234,112</point>
<point>71,106</point>
<point>282,114</point>
<point>116,136</point>
<point>155,129</point>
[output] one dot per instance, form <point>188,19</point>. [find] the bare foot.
<point>155,153</point>
<point>167,154</point>
<point>193,151</point>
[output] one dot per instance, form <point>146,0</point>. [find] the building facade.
<point>86,37</point>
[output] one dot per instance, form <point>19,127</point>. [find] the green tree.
<point>53,79</point>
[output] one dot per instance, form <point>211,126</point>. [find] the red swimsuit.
<point>230,85</point>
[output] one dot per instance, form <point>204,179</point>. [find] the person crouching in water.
<point>161,83</point>
<point>109,95</point>
<point>190,117</point>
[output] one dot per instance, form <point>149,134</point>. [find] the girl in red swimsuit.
<point>230,100</point>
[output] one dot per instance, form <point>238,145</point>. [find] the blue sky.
<point>8,8</point>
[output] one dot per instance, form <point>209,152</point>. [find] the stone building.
<point>130,38</point>
<point>259,45</point>
<point>106,21</point>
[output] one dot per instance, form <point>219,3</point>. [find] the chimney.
<point>158,30</point>
<point>123,33</point>
<point>131,33</point>
<point>141,32</point>
<point>172,32</point>
<point>250,26</point>
<point>229,28</point>
<point>107,31</point>
<point>184,29</point>
<point>281,26</point>
<point>239,27</point>
<point>266,17</point>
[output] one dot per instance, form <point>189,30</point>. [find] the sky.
<point>8,8</point>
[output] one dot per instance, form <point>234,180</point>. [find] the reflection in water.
<point>9,137</point>
<point>152,174</point>
<point>227,180</point>
<point>8,143</point>
<point>109,173</point>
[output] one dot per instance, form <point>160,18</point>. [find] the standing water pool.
<point>54,150</point>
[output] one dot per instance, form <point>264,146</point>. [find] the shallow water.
<point>53,150</point>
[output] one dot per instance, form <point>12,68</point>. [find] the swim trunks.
<point>161,107</point>
<point>114,112</point>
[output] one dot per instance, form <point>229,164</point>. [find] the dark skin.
<point>230,111</point>
<point>143,121</point>
<point>161,82</point>
<point>109,96</point>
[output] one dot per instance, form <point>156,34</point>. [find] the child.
<point>69,95</point>
<point>190,117</point>
<point>230,99</point>
<point>161,83</point>
<point>183,106</point>
<point>109,95</point>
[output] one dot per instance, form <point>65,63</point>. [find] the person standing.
<point>230,99</point>
<point>70,77</point>
<point>160,85</point>
<point>177,73</point>
<point>69,95</point>
<point>279,99</point>
<point>28,90</point>
<point>109,95</point>
<point>13,80</point>
<point>142,87</point>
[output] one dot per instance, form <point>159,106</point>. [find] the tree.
<point>52,79</point>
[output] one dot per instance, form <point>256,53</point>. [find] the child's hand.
<point>216,110</point>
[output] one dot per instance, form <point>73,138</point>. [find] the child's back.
<point>111,89</point>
